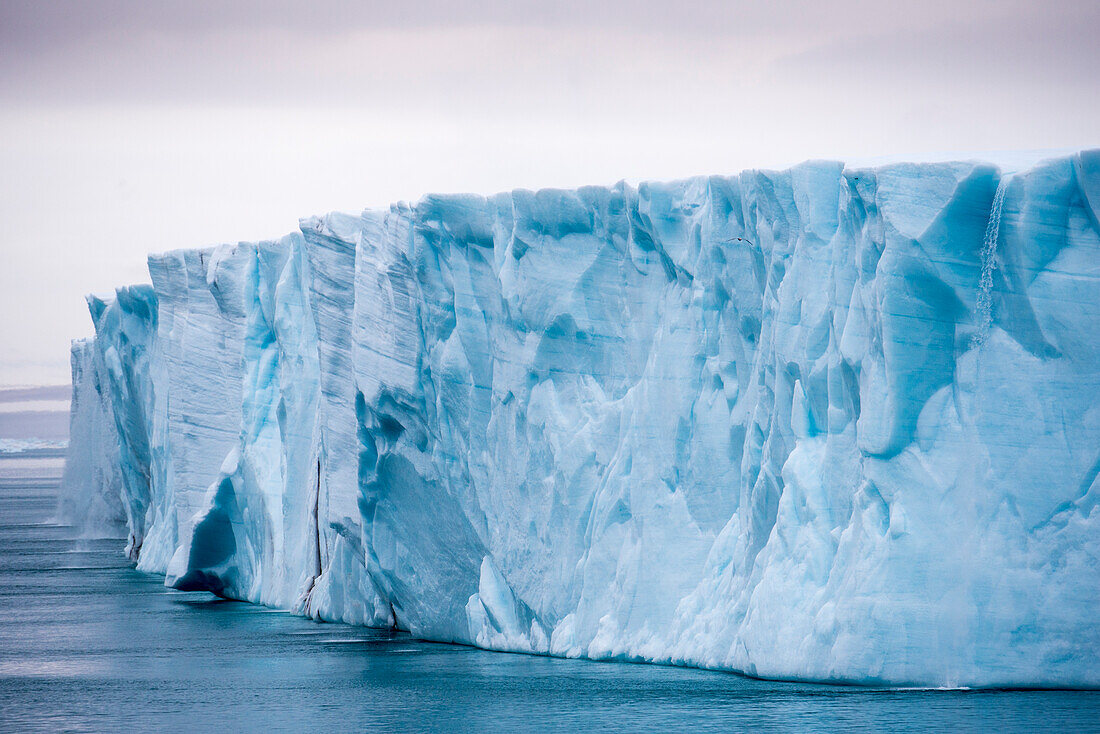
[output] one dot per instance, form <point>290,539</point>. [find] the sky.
<point>129,127</point>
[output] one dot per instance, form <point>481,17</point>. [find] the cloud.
<point>1035,45</point>
<point>129,126</point>
<point>336,52</point>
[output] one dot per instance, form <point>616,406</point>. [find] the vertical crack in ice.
<point>317,525</point>
<point>307,597</point>
<point>989,264</point>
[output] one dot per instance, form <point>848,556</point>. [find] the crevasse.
<point>733,422</point>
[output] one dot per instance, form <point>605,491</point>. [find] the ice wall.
<point>824,423</point>
<point>92,496</point>
<point>110,460</point>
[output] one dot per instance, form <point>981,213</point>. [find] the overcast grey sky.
<point>128,127</point>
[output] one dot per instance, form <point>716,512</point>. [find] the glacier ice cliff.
<point>825,423</point>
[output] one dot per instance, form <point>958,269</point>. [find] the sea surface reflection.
<point>89,644</point>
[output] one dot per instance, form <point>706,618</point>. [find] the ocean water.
<point>89,644</point>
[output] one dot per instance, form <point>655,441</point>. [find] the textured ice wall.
<point>92,483</point>
<point>821,423</point>
<point>110,459</point>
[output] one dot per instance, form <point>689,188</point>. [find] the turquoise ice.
<point>824,423</point>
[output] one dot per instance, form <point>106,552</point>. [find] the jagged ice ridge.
<point>823,424</point>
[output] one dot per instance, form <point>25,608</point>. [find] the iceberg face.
<point>110,461</point>
<point>93,495</point>
<point>825,423</point>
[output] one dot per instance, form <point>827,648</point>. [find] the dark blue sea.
<point>89,644</point>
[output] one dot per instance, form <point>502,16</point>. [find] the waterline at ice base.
<point>827,423</point>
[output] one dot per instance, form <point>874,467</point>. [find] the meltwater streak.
<point>989,264</point>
